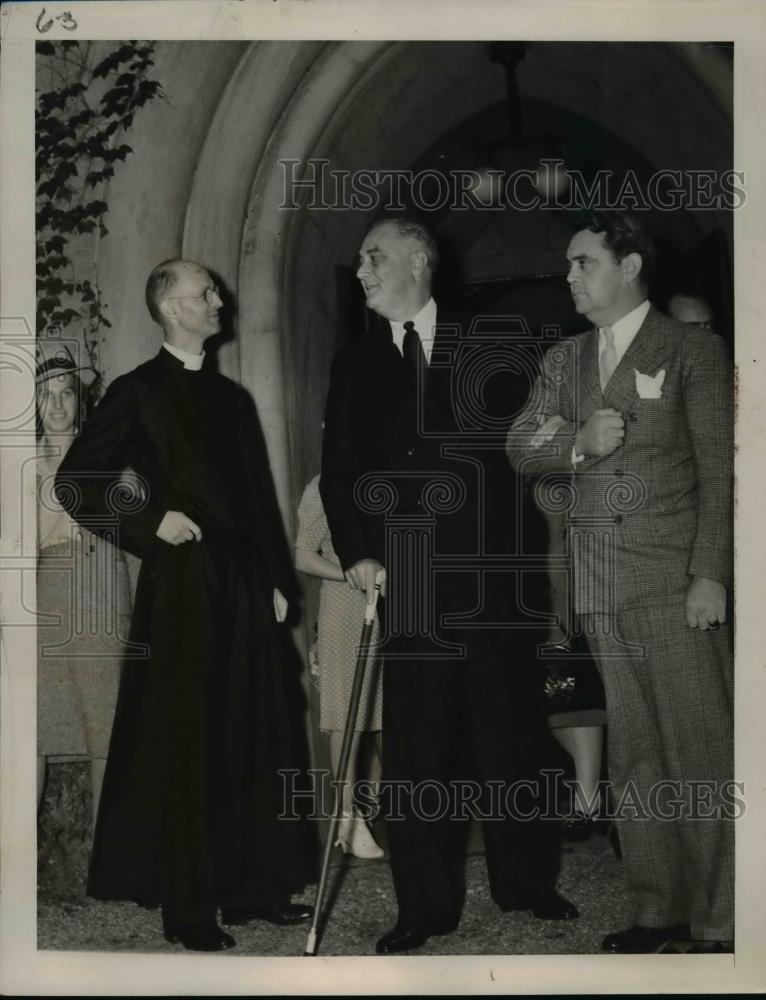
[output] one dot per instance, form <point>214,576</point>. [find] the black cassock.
<point>192,793</point>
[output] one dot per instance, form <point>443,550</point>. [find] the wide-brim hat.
<point>58,357</point>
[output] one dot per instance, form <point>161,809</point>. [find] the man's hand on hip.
<point>361,576</point>
<point>705,603</point>
<point>601,434</point>
<point>176,528</point>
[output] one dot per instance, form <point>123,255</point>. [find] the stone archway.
<point>379,104</point>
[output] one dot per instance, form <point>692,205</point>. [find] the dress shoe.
<point>281,914</point>
<point>403,938</point>
<point>639,940</point>
<point>546,904</point>
<point>200,938</point>
<point>579,828</point>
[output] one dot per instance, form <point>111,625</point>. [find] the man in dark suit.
<point>192,794</point>
<point>404,488</point>
<point>639,412</point>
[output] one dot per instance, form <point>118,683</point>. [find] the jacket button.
<point>619,472</point>
<point>410,452</point>
<point>618,518</point>
<point>633,417</point>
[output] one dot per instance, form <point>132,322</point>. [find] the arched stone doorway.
<point>382,105</point>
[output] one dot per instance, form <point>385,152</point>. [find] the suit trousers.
<point>462,736</point>
<point>670,742</point>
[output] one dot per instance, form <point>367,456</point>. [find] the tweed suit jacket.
<point>658,509</point>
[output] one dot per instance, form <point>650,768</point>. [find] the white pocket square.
<point>649,386</point>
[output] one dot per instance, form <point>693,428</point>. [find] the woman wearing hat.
<point>83,595</point>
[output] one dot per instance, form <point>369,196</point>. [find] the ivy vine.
<point>81,125</point>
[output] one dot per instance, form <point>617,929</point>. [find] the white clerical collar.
<point>424,322</point>
<point>191,361</point>
<point>626,328</point>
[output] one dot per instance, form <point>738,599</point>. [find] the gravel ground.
<point>361,893</point>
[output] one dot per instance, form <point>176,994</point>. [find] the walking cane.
<point>345,754</point>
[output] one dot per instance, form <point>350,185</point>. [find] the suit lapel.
<point>648,349</point>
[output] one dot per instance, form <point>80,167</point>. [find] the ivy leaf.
<point>105,66</point>
<point>81,118</point>
<point>66,149</point>
<point>95,208</point>
<point>65,316</point>
<point>48,304</point>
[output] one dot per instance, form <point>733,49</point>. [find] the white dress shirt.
<point>424,323</point>
<point>624,330</point>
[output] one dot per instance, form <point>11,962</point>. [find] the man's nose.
<point>361,270</point>
<point>570,277</point>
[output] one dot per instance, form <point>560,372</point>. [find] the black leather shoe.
<point>546,904</point>
<point>578,828</point>
<point>401,939</point>
<point>404,938</point>
<point>639,940</point>
<point>281,914</point>
<point>200,939</point>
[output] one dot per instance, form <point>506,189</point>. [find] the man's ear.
<point>167,307</point>
<point>419,263</point>
<point>631,266</point>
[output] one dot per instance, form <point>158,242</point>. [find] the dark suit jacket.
<point>395,447</point>
<point>664,497</point>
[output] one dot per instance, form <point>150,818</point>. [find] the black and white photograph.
<point>380,486</point>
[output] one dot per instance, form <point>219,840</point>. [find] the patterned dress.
<point>83,609</point>
<point>341,616</point>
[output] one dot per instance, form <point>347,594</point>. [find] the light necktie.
<point>607,361</point>
<point>412,349</point>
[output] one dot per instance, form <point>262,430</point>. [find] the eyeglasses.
<point>208,295</point>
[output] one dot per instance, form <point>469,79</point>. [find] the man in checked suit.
<point>639,411</point>
<point>402,491</point>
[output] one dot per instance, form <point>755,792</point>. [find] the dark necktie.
<point>412,349</point>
